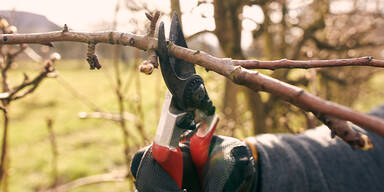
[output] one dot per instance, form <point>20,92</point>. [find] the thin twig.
<point>108,116</point>
<point>55,153</point>
<point>13,94</point>
<point>120,100</point>
<point>4,148</point>
<point>286,63</point>
<point>148,65</point>
<point>189,38</point>
<point>224,66</point>
<point>140,123</point>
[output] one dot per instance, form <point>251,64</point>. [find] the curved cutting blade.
<point>182,68</point>
<point>171,80</point>
<point>176,72</point>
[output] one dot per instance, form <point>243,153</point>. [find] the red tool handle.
<point>170,159</point>
<point>200,142</point>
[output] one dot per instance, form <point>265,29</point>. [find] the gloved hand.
<point>230,167</point>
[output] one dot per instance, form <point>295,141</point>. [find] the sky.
<point>84,14</point>
<point>88,15</point>
<point>79,14</point>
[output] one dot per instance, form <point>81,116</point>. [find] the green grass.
<point>88,147</point>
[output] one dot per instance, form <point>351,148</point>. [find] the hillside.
<point>27,22</point>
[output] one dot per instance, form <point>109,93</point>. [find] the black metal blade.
<point>182,68</point>
<point>174,84</point>
<point>180,77</point>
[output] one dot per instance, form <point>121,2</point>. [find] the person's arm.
<point>230,167</point>
<point>311,161</point>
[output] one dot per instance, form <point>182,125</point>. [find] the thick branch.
<point>259,82</point>
<point>224,66</point>
<point>111,37</point>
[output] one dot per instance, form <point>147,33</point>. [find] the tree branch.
<point>292,94</point>
<point>109,116</point>
<point>327,46</point>
<point>227,67</point>
<point>197,34</point>
<point>12,94</point>
<point>342,129</point>
<point>286,63</point>
<point>148,65</point>
<point>55,151</point>
<point>118,176</point>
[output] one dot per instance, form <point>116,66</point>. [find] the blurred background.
<point>78,131</point>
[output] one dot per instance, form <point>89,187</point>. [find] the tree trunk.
<point>228,31</point>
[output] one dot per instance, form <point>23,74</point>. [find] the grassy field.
<point>88,147</point>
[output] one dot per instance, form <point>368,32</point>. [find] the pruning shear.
<point>187,114</point>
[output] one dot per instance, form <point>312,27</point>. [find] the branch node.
<point>367,143</point>
<point>110,38</point>
<point>153,19</point>
<point>149,16</point>
<point>342,129</point>
<point>333,133</point>
<point>3,109</point>
<point>131,41</point>
<point>235,73</point>
<point>65,29</point>
<point>26,77</point>
<point>49,44</point>
<point>91,56</point>
<point>146,67</point>
<point>301,92</point>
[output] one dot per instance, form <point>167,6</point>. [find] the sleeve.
<point>313,161</point>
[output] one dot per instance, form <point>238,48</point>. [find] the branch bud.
<point>146,67</point>
<point>55,56</point>
<point>11,29</point>
<point>3,23</point>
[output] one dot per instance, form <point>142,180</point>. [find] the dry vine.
<point>237,72</point>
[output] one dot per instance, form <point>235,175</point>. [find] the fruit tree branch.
<point>144,42</point>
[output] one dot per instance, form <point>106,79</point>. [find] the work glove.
<point>231,166</point>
